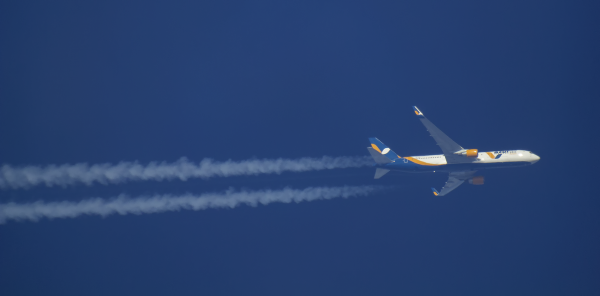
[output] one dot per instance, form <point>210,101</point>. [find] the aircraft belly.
<point>482,166</point>
<point>417,168</point>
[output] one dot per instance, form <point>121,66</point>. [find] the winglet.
<point>435,192</point>
<point>418,112</point>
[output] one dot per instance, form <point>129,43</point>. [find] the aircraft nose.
<point>535,158</point>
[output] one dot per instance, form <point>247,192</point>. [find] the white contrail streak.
<point>162,203</point>
<point>183,169</point>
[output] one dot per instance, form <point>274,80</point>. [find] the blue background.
<point>148,80</point>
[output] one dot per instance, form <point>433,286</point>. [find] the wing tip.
<point>418,112</point>
<point>435,192</point>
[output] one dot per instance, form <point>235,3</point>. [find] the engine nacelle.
<point>468,153</point>
<point>477,180</point>
<point>472,153</point>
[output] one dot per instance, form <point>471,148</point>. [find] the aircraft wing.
<point>455,179</point>
<point>447,145</point>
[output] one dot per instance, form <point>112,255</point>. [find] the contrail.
<point>183,169</point>
<point>124,205</point>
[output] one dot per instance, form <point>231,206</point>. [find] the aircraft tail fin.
<point>378,157</point>
<point>380,172</point>
<point>383,149</point>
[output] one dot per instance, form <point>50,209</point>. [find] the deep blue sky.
<point>146,80</point>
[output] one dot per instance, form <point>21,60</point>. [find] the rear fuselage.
<point>484,160</point>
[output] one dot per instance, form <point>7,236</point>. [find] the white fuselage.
<point>483,157</point>
<point>483,160</point>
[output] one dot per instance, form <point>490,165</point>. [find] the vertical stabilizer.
<point>378,157</point>
<point>383,149</point>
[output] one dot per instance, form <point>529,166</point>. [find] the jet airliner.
<point>461,164</point>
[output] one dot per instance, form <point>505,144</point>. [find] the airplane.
<point>461,164</point>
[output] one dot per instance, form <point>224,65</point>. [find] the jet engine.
<point>477,180</point>
<point>472,153</point>
<point>468,152</point>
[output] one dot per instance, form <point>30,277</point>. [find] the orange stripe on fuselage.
<point>491,155</point>
<point>420,162</point>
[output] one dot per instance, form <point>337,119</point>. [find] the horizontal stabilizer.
<point>378,157</point>
<point>380,172</point>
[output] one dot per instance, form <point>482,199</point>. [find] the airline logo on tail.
<point>383,149</point>
<point>376,148</point>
